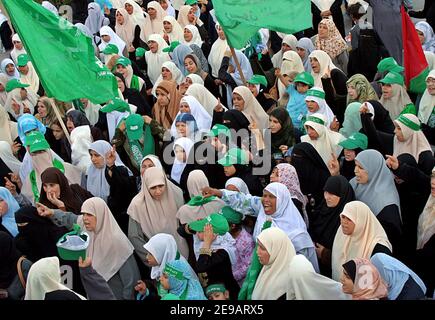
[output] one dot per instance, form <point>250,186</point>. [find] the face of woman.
<point>430,84</point>
<point>263,255</point>
<point>121,85</point>
<point>167,26</point>
<point>106,38</point>
<point>180,154</point>
<point>420,36</point>
<point>18,45</point>
<point>42,110</point>
<point>187,35</point>
<point>24,69</point>
<point>312,133</point>
<point>315,65</point>
<point>164,281</point>
<point>184,108</point>
<point>122,70</point>
<point>253,89</point>
<point>90,221</point>
<point>432,187</point>
<point>312,106</point>
<point>274,177</point>
<point>10,69</point>
<point>166,74</point>
<point>70,125</point>
<point>96,159</point>
<point>128,8</point>
<point>3,207</point>
<point>151,261</point>
<point>301,52</point>
<point>145,165</point>
<point>238,102</point>
<point>164,4</point>
<point>23,94</point>
<point>274,124</point>
<point>232,187</point>
<point>361,175</point>
<point>119,18</point>
<point>349,155</point>
<point>346,282</point>
<point>347,225</point>
<point>156,192</point>
<point>285,47</point>
<point>387,91</point>
<point>351,91</point>
<point>181,129</point>
<point>269,202</point>
<point>331,199</point>
<point>153,46</point>
<point>399,133</point>
<point>190,65</point>
<point>162,98</point>
<point>323,31</point>
<point>221,34</point>
<point>191,16</point>
<point>53,188</point>
<point>152,12</point>
<point>57,132</point>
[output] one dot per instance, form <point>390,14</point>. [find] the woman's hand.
<point>364,108</point>
<point>335,125</point>
<point>141,287</point>
<point>147,119</point>
<point>44,211</point>
<point>334,166</point>
<point>10,186</point>
<point>111,157</point>
<point>319,250</point>
<point>392,162</point>
<point>219,107</point>
<point>208,236</point>
<point>15,148</point>
<point>85,263</point>
<point>16,179</point>
<point>209,192</point>
<point>283,148</point>
<point>52,198</point>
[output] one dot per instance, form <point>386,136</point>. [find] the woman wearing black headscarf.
<point>325,220</point>
<point>312,173</point>
<point>9,278</point>
<point>282,130</point>
<point>75,118</point>
<point>235,120</point>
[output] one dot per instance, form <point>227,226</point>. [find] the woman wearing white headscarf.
<point>29,76</point>
<point>137,15</point>
<point>8,67</point>
<point>95,20</point>
<point>217,52</point>
<point>15,99</point>
<point>196,37</point>
<point>426,35</point>
<point>288,43</point>
<point>125,27</point>
<point>18,47</point>
<point>8,158</point>
<point>175,33</point>
<point>237,184</point>
<point>252,109</point>
<point>8,129</point>
<point>3,94</point>
<point>324,65</point>
<point>182,147</point>
<point>154,19</point>
<point>426,107</point>
<point>156,57</point>
<point>204,97</point>
<point>172,73</point>
<point>317,95</point>
<point>182,15</point>
<point>113,39</point>
<point>194,78</point>
<point>49,6</point>
<point>81,140</point>
<point>291,63</point>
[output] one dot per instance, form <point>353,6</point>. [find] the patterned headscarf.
<point>334,44</point>
<point>288,176</point>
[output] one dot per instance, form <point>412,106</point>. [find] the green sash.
<point>134,84</point>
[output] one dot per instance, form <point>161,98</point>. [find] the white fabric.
<point>8,129</point>
<point>239,184</point>
<point>289,40</point>
<point>92,112</point>
<point>177,76</point>
<point>8,158</point>
<point>324,109</point>
<point>114,39</point>
<point>178,166</point>
<point>49,6</point>
<point>196,38</point>
<point>177,32</point>
<point>81,140</point>
<point>15,52</point>
<point>3,65</point>
<point>216,55</point>
<point>31,78</point>
<point>427,102</point>
<point>324,62</point>
<point>204,97</point>
<point>154,26</point>
<point>114,118</point>
<point>155,60</point>
<point>137,16</point>
<point>195,78</point>
<point>225,242</point>
<point>30,102</point>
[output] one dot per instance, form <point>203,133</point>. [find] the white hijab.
<point>30,102</point>
<point>154,26</point>
<point>196,38</point>
<point>15,52</point>
<point>253,109</point>
<point>8,158</point>
<point>3,65</point>
<point>426,222</point>
<point>289,40</point>
<point>114,39</point>
<point>177,76</point>
<point>324,109</point>
<point>239,184</point>
<point>137,16</point>
<point>177,32</point>
<point>156,60</point>
<point>8,129</point>
<point>324,62</point>
<point>225,242</point>
<point>92,112</point>
<point>178,166</point>
<point>216,55</point>
<point>204,97</point>
<point>427,102</point>
<point>81,140</point>
<point>31,78</point>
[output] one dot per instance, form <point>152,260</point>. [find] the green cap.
<point>234,156</point>
<point>134,126</point>
<point>389,64</point>
<point>170,296</point>
<point>393,78</point>
<point>305,77</point>
<point>13,84</point>
<point>172,46</point>
<point>315,93</point>
<point>231,215</point>
<point>111,49</point>
<point>258,79</point>
<point>218,287</point>
<point>123,61</point>
<point>355,140</point>
<point>36,141</point>
<point>73,245</point>
<point>409,108</point>
<point>22,60</point>
<point>117,104</point>
<point>140,52</point>
<point>218,129</point>
<point>218,222</point>
<point>191,2</point>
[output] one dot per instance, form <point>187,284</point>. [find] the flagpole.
<point>59,117</point>
<point>233,53</point>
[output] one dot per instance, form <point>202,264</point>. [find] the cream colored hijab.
<point>427,102</point>
<point>43,278</point>
<point>195,183</point>
<point>3,94</point>
<point>155,25</point>
<point>177,32</point>
<point>8,158</point>
<point>109,247</point>
<point>31,78</point>
<point>415,141</point>
<point>291,62</point>
<point>126,30</point>
<point>8,129</point>
<point>30,102</point>
<point>274,278</point>
<point>397,102</point>
<point>158,216</point>
<point>325,62</point>
<point>253,110</point>
<point>426,222</point>
<point>204,97</point>
<point>289,40</point>
<point>156,60</point>
<point>182,16</point>
<point>217,53</point>
<point>360,244</point>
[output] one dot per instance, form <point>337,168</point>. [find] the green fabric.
<point>215,288</point>
<point>253,271</point>
<point>63,57</point>
<point>232,215</point>
<point>316,93</point>
<point>13,84</point>
<point>389,64</point>
<point>140,52</point>
<point>134,126</point>
<point>170,296</point>
<point>410,108</point>
<point>393,78</point>
<point>218,222</point>
<point>418,83</point>
<point>218,129</point>
<point>22,60</point>
<point>117,104</point>
<point>356,140</point>
<point>173,272</point>
<point>352,119</point>
<point>171,47</point>
<point>66,249</point>
<point>251,45</point>
<point>78,105</point>
<point>199,200</point>
<point>258,79</point>
<point>191,2</point>
<point>241,19</point>
<point>143,146</point>
<point>315,120</point>
<point>134,84</point>
<point>123,61</point>
<point>111,49</point>
<point>35,140</point>
<point>305,77</point>
<point>410,124</point>
<point>234,156</point>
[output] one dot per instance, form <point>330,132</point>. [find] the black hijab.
<point>9,256</point>
<point>236,120</point>
<point>350,268</point>
<point>382,119</point>
<point>4,172</point>
<point>285,136</point>
<point>135,98</point>
<point>347,168</point>
<point>325,222</point>
<point>78,118</point>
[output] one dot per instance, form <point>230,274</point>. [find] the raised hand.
<point>392,162</point>
<point>334,165</point>
<point>43,210</point>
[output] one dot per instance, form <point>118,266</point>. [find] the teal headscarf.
<point>187,289</point>
<point>352,120</point>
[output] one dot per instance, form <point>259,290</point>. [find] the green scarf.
<point>134,84</point>
<point>253,272</point>
<point>32,177</point>
<point>137,151</point>
<point>197,201</point>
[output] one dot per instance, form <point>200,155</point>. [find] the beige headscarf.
<point>158,216</point>
<point>109,247</point>
<point>427,102</point>
<point>415,141</point>
<point>204,97</point>
<point>29,102</point>
<point>155,25</point>
<point>43,278</point>
<point>252,110</point>
<point>195,183</point>
<point>31,78</point>
<point>8,129</point>
<point>165,116</point>
<point>182,16</point>
<point>217,53</point>
<point>334,44</point>
<point>126,30</point>
<point>274,278</point>
<point>426,222</point>
<point>324,62</point>
<point>291,63</point>
<point>177,32</point>
<point>397,102</point>
<point>137,15</point>
<point>8,158</point>
<point>289,40</point>
<point>327,142</point>
<point>3,94</point>
<point>360,244</point>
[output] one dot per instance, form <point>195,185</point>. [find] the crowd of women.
<point>164,178</point>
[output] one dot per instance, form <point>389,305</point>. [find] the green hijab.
<point>352,120</point>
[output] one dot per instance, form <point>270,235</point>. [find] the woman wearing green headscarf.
<point>352,120</point>
<point>359,89</point>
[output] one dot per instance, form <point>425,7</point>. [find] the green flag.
<point>62,55</point>
<point>241,19</point>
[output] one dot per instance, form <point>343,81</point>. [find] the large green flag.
<point>241,19</point>
<point>62,55</point>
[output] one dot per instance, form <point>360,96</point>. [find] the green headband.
<point>316,120</point>
<point>409,123</point>
<point>171,271</point>
<point>215,288</point>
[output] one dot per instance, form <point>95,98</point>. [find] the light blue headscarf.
<point>178,55</point>
<point>8,220</point>
<point>394,273</point>
<point>245,66</point>
<point>3,65</point>
<point>429,36</point>
<point>308,46</point>
<point>27,123</point>
<point>352,120</point>
<point>296,106</point>
<point>194,288</point>
<point>103,3</point>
